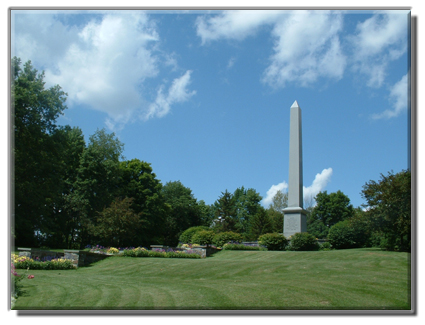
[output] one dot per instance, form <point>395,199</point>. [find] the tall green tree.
<point>259,224</point>
<point>98,179</point>
<point>118,225</point>
<point>279,201</point>
<point>389,208</point>
<point>206,213</point>
<point>183,211</point>
<point>247,204</point>
<point>330,209</point>
<point>225,213</point>
<point>61,227</point>
<point>36,157</point>
<point>274,211</point>
<point>138,181</point>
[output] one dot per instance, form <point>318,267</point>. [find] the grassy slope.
<point>343,279</point>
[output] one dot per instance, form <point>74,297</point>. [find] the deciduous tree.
<point>35,155</point>
<point>389,207</point>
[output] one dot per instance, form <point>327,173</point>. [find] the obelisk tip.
<point>295,104</point>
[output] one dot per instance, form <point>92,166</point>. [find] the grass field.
<point>368,279</point>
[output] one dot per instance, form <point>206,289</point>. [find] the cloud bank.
<point>399,99</point>
<point>319,183</point>
<point>103,64</point>
<point>312,45</point>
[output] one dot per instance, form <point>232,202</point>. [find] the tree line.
<point>69,193</point>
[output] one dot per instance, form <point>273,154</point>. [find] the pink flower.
<point>30,276</point>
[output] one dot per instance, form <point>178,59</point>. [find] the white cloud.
<point>399,98</point>
<point>319,183</point>
<point>103,63</point>
<point>378,41</point>
<point>233,24</point>
<point>104,68</point>
<point>306,47</point>
<point>177,93</point>
<point>231,63</point>
<point>272,192</point>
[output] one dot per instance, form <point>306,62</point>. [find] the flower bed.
<point>24,262</point>
<point>160,252</point>
<point>243,247</point>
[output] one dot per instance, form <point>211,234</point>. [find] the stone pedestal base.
<point>295,220</point>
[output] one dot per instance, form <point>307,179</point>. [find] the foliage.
<point>226,237</point>
<point>247,204</point>
<point>16,282</point>
<point>243,247</point>
<point>24,262</point>
<point>143,252</point>
<point>225,213</point>
<point>113,250</point>
<point>316,227</point>
<point>273,241</point>
<point>183,213</point>
<point>326,246</point>
<point>186,236</point>
<point>276,219</point>
<point>342,235</point>
<point>118,225</point>
<point>330,209</point>
<point>140,183</point>
<point>38,164</point>
<point>279,201</point>
<point>206,213</point>
<point>260,224</point>
<point>303,241</point>
<point>203,237</point>
<point>389,208</point>
<point>98,180</point>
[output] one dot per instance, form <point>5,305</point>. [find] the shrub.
<point>203,237</point>
<point>226,237</point>
<point>113,250</point>
<point>345,234</point>
<point>326,246</point>
<point>242,247</point>
<point>16,286</point>
<point>273,241</point>
<point>136,252</point>
<point>143,252</point>
<point>303,241</point>
<point>23,262</point>
<point>186,236</point>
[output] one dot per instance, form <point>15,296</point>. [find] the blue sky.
<point>205,96</point>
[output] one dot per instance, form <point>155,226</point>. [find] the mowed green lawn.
<point>339,279</point>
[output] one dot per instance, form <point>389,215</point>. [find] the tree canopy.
<point>329,210</point>
<point>389,208</point>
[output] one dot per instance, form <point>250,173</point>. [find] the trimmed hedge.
<point>186,236</point>
<point>54,264</point>
<point>203,237</point>
<point>303,241</point>
<point>143,252</point>
<point>273,241</point>
<point>226,237</point>
<point>242,247</point>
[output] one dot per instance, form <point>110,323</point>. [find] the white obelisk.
<point>295,219</point>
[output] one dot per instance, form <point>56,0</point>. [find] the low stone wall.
<point>41,254</point>
<point>83,258</point>
<point>79,258</point>
<point>204,251</point>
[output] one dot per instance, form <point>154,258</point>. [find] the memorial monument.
<point>295,219</point>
